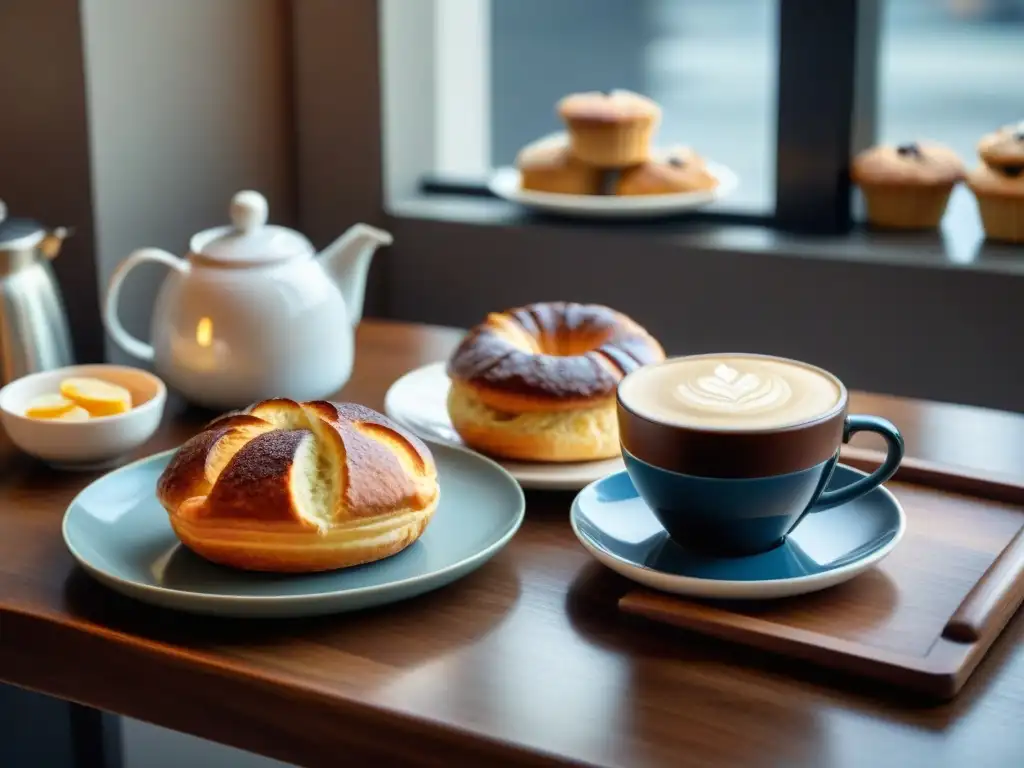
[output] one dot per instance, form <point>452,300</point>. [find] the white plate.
<point>418,401</point>
<point>505,183</point>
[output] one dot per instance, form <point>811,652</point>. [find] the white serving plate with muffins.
<point>607,164</point>
<point>506,183</point>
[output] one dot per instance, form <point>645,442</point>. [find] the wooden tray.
<point>921,620</point>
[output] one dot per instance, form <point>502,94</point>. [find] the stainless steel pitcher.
<point>34,332</point>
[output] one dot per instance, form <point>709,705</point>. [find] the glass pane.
<point>711,65</point>
<point>951,71</point>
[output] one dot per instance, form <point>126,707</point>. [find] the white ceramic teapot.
<point>253,312</point>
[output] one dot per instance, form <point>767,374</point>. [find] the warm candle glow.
<point>204,332</point>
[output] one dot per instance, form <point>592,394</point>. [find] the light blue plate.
<point>826,548</point>
<point>120,534</point>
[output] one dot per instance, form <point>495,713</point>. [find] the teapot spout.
<point>347,260</point>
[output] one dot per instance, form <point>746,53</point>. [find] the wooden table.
<point>524,662</point>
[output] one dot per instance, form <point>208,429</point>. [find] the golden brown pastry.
<point>547,165</point>
<point>1004,148</point>
<point>299,487</point>
<point>907,186</point>
<point>610,130</point>
<point>537,383</point>
<point>1000,195</point>
<point>679,169</point>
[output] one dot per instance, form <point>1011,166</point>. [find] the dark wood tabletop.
<point>524,662</point>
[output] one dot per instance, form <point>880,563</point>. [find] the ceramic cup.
<point>730,451</point>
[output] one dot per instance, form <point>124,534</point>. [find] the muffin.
<point>680,169</point>
<point>547,165</point>
<point>1004,148</point>
<point>1000,195</point>
<point>907,186</point>
<point>610,130</point>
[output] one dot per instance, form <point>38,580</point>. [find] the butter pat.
<point>49,406</point>
<point>96,397</point>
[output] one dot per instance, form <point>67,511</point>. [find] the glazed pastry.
<point>677,170</point>
<point>907,186</point>
<point>537,383</point>
<point>1004,149</point>
<point>299,487</point>
<point>610,130</point>
<point>547,165</point>
<point>1000,195</point>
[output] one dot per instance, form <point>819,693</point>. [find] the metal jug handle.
<point>53,241</point>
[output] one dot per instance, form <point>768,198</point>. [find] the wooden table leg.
<point>36,730</point>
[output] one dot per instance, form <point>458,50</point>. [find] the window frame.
<point>826,61</point>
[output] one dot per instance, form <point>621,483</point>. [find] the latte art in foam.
<point>731,392</point>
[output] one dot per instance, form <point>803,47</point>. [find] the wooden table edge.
<point>351,716</point>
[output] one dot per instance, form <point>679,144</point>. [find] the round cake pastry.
<point>1003,149</point>
<point>907,186</point>
<point>1000,195</point>
<point>679,169</point>
<point>537,383</point>
<point>299,487</point>
<point>610,130</point>
<point>547,165</point>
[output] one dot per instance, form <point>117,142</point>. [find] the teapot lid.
<point>249,240</point>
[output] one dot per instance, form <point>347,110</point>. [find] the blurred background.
<point>949,70</point>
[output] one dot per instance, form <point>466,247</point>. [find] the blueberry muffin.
<point>907,186</point>
<point>1004,148</point>
<point>610,130</point>
<point>547,165</point>
<point>1000,195</point>
<point>679,169</point>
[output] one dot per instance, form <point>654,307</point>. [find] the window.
<point>781,91</point>
<point>740,82</point>
<point>950,72</point>
<point>711,65</point>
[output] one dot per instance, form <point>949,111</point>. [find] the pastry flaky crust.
<point>538,382</point>
<point>300,487</point>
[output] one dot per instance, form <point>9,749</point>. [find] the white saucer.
<point>418,401</point>
<point>506,184</point>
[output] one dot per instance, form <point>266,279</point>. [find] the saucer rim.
<point>730,588</point>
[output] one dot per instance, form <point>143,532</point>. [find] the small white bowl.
<point>94,444</point>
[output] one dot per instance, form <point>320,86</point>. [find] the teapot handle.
<point>125,340</point>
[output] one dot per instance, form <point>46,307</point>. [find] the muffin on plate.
<point>1000,195</point>
<point>547,165</point>
<point>676,170</point>
<point>907,186</point>
<point>610,130</point>
<point>1003,149</point>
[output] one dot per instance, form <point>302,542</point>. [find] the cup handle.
<point>893,457</point>
<point>125,340</point>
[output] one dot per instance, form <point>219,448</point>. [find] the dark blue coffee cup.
<point>735,492</point>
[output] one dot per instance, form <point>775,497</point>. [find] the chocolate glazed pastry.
<point>538,382</point>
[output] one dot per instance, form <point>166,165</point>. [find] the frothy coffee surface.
<point>730,392</point>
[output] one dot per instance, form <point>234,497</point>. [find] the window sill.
<point>916,315</point>
<point>960,248</point>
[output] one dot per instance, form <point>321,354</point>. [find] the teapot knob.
<point>248,211</point>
